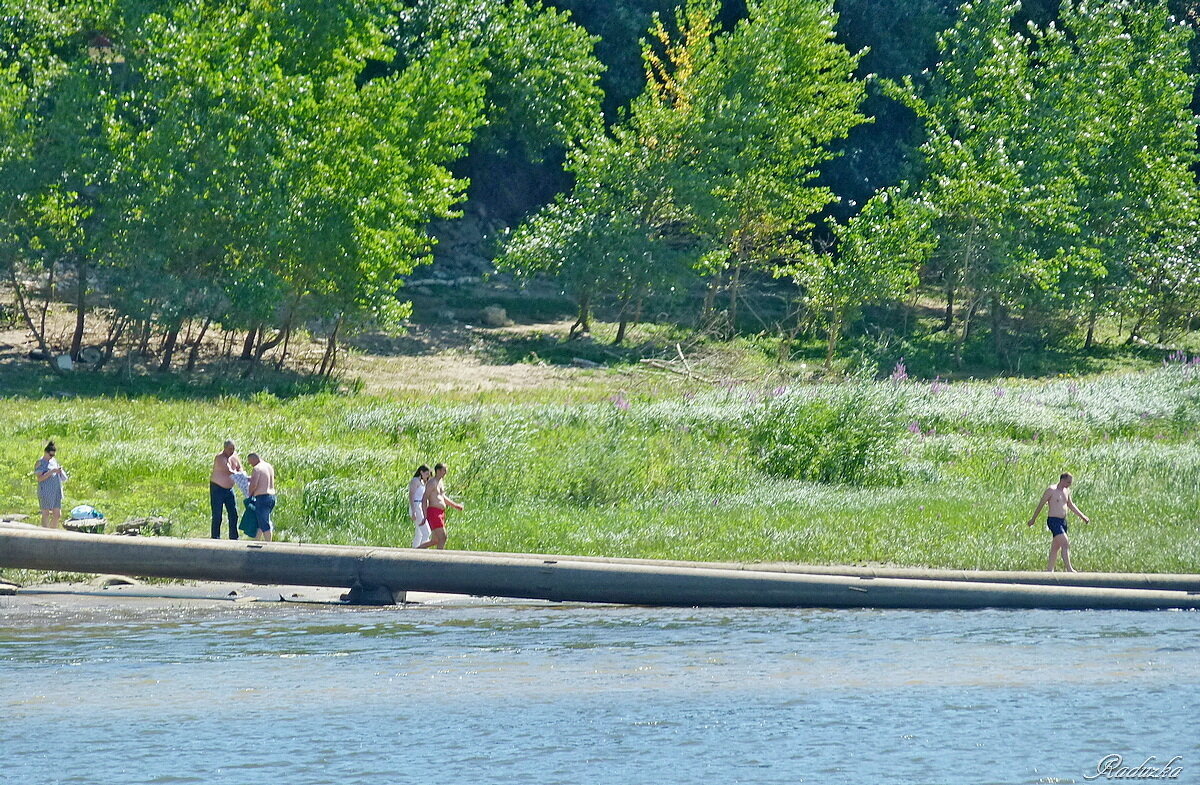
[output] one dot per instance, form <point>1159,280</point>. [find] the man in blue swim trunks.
<point>1058,497</point>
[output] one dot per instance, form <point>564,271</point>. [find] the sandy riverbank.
<point>202,594</point>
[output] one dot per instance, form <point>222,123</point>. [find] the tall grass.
<point>897,472</point>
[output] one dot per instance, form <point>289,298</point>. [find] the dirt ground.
<point>433,358</point>
<point>448,359</point>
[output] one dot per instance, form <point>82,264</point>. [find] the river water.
<point>511,692</point>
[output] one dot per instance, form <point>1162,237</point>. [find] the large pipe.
<point>548,578</point>
<point>1103,580</point>
<point>1106,580</point>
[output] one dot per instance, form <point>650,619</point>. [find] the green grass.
<point>947,477</point>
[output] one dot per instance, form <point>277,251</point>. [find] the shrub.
<point>851,437</point>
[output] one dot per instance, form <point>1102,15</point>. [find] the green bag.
<point>249,523</point>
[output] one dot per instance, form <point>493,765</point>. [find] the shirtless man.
<point>262,491</point>
<point>220,489</point>
<point>1058,497</point>
<point>434,504</point>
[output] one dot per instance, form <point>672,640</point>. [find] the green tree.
<point>365,173</point>
<point>621,233</point>
<point>57,152</point>
<point>712,165</point>
<point>204,160</point>
<point>1116,79</point>
<point>542,93</point>
<point>993,178</point>
<point>878,256</point>
<point>1057,164</point>
<point>764,108</point>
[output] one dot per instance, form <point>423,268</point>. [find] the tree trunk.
<point>788,337</point>
<point>80,309</point>
<point>1136,330</point>
<point>248,346</point>
<point>909,310</point>
<point>287,337</point>
<point>997,314</point>
<point>49,297</point>
<point>1094,313</point>
<point>734,287</point>
<point>1164,317</point>
<point>948,320</point>
<point>710,300</point>
<point>329,360</point>
<point>195,352</point>
<point>831,342</point>
<point>965,334</point>
<point>266,345</point>
<point>115,331</point>
<point>582,320</point>
<point>169,346</point>
<point>621,326</point>
<point>144,343</point>
<point>39,336</point>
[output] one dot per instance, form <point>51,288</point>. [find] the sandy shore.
<point>203,594</point>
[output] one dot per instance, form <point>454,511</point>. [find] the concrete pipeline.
<point>1104,580</point>
<point>549,578</point>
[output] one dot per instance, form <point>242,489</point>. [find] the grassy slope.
<point>667,474</point>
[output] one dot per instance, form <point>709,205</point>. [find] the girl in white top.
<point>416,492</point>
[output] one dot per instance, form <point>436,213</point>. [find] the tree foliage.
<point>200,160</point>
<point>169,168</point>
<point>712,168</point>
<point>1057,160</point>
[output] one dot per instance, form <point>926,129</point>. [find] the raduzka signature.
<point>1112,767</point>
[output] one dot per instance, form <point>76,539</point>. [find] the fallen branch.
<point>665,366</point>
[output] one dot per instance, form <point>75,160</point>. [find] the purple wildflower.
<point>618,400</point>
<point>914,427</point>
<point>900,372</point>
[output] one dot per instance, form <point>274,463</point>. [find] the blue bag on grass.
<point>85,512</point>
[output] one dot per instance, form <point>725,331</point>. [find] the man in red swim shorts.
<point>434,503</point>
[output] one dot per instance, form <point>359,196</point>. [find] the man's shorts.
<point>263,506</point>
<point>435,517</point>
<point>1057,526</point>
